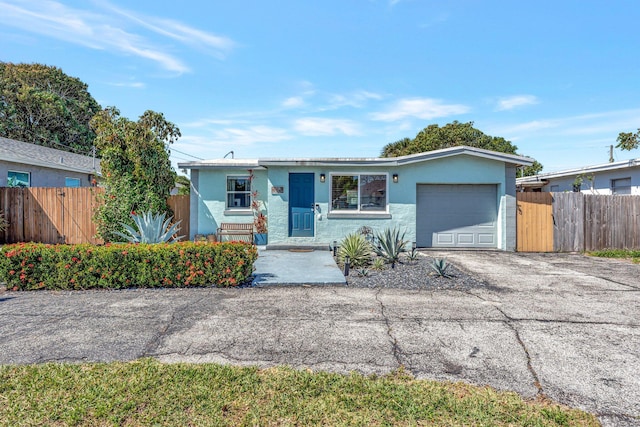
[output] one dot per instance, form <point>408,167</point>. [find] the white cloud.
<point>250,135</point>
<point>509,103</point>
<point>135,85</point>
<point>108,31</point>
<point>175,30</point>
<point>355,99</point>
<point>421,108</point>
<point>315,126</point>
<point>608,122</point>
<point>293,102</point>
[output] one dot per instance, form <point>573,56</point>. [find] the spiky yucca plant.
<point>391,244</point>
<point>151,228</point>
<point>440,266</point>
<point>357,248</point>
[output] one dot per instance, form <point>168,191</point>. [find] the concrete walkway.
<point>291,267</point>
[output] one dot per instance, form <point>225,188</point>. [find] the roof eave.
<point>377,161</point>
<point>587,169</point>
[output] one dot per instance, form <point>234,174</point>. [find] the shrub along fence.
<point>576,222</point>
<point>62,215</point>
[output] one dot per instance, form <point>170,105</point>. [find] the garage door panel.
<point>456,215</point>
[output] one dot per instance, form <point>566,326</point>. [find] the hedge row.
<point>29,266</point>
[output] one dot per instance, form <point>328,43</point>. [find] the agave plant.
<point>357,248</point>
<point>440,266</point>
<point>391,244</point>
<point>151,228</point>
<point>378,264</point>
<point>413,254</point>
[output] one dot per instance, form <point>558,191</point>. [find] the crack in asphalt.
<point>510,323</point>
<point>154,343</point>
<point>397,352</point>
<point>636,288</point>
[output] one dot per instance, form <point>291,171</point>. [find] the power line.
<point>186,154</point>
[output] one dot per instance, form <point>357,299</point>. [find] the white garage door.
<point>456,216</point>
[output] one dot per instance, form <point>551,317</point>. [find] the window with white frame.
<point>359,192</point>
<point>621,186</point>
<point>72,182</point>
<point>18,179</point>
<point>238,192</point>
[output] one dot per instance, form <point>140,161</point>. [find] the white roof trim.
<point>372,161</point>
<point>587,169</point>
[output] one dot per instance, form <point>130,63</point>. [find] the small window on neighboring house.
<point>18,179</point>
<point>359,193</point>
<point>238,192</point>
<point>72,182</point>
<point>621,186</point>
<point>554,188</point>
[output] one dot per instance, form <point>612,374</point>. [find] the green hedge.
<point>29,266</point>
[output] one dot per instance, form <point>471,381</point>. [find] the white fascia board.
<point>362,161</point>
<point>587,169</point>
<point>222,164</point>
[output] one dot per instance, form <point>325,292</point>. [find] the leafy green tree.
<point>137,174</point>
<point>628,140</point>
<point>185,184</point>
<point>434,137</point>
<point>43,105</point>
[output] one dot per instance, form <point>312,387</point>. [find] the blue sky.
<point>342,78</point>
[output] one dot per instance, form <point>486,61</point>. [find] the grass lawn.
<point>633,255</point>
<point>146,392</point>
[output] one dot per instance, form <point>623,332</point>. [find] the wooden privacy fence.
<point>62,215</point>
<point>576,222</point>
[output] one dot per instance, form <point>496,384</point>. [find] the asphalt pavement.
<point>562,326</point>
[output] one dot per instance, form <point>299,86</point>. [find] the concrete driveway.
<point>564,326</point>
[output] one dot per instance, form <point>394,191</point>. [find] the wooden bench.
<point>244,231</point>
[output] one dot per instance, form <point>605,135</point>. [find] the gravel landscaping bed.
<point>416,274</point>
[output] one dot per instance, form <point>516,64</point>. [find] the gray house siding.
<point>42,177</point>
<point>47,167</point>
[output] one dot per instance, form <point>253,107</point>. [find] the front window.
<point>621,186</point>
<point>18,179</point>
<point>72,182</point>
<point>238,192</point>
<point>359,193</point>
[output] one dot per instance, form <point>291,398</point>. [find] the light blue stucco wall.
<point>209,199</point>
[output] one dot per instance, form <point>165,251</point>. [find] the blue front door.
<point>301,204</point>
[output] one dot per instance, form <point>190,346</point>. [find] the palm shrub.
<point>151,228</point>
<point>357,248</point>
<point>391,244</point>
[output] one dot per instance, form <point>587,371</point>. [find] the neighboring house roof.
<point>37,155</point>
<point>606,167</point>
<point>358,161</point>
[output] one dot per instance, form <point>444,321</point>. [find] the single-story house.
<point>30,165</point>
<point>621,177</point>
<point>459,197</point>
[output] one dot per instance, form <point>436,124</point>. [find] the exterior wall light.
<point>395,178</point>
<point>323,177</point>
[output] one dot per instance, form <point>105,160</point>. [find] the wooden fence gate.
<point>534,222</point>
<point>62,215</point>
